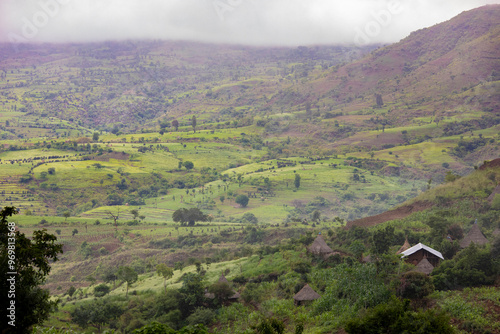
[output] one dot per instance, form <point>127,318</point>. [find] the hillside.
<point>114,147</point>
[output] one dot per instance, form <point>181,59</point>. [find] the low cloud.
<point>251,22</point>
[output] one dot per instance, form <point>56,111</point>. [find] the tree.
<point>378,100</point>
<point>66,214</point>
<point>30,258</point>
<point>190,216</point>
<point>96,313</point>
<point>316,215</point>
<point>222,291</point>
<point>75,231</point>
<point>166,272</point>
<point>95,136</point>
<point>128,275</point>
<point>175,124</point>
<point>415,285</point>
<point>193,293</point>
<point>297,181</point>
<point>135,213</point>
<point>101,290</point>
<point>193,123</point>
<point>188,164</point>
<point>242,200</point>
<point>382,240</point>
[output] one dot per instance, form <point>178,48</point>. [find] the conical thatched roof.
<point>424,266</point>
<point>223,279</point>
<point>405,246</point>
<point>475,235</point>
<point>319,246</point>
<point>306,293</point>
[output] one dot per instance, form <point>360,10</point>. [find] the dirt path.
<point>399,213</point>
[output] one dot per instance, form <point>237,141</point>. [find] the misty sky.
<point>254,22</point>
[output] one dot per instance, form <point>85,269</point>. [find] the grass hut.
<point>319,247</point>
<point>424,266</point>
<point>416,253</point>
<point>475,235</point>
<point>405,246</point>
<point>305,295</point>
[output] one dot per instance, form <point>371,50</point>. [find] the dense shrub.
<point>471,267</point>
<point>396,317</point>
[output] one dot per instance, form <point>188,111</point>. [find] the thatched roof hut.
<point>424,266</point>
<point>416,253</point>
<point>475,235</point>
<point>223,279</point>
<point>319,246</point>
<point>305,294</point>
<point>405,246</point>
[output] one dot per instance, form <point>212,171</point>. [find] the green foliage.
<point>296,181</point>
<point>270,326</point>
<point>495,204</point>
<point>471,267</point>
<point>164,271</point>
<point>222,291</point>
<point>30,258</point>
<point>358,286</point>
<point>188,165</point>
<point>249,218</point>
<point>96,313</point>
<point>415,285</point>
<point>128,275</point>
<point>396,317</point>
<point>155,328</point>
<point>382,240</point>
<point>202,316</point>
<point>242,200</point>
<point>192,292</point>
<point>101,290</point>
<point>189,216</point>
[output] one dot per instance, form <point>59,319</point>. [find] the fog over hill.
<point>255,22</point>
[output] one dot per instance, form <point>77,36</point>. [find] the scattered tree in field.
<point>135,213</point>
<point>188,164</point>
<point>175,124</point>
<point>316,215</point>
<point>242,200</point>
<point>33,256</point>
<point>296,182</point>
<point>128,275</point>
<point>164,271</point>
<point>66,215</point>
<point>378,100</point>
<point>189,216</point>
<point>193,123</point>
<point>95,136</point>
<point>222,198</point>
<point>75,231</point>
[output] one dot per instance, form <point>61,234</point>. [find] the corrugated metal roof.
<point>420,246</point>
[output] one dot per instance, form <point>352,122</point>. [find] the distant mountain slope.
<point>436,66</point>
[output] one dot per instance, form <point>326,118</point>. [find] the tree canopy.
<point>30,260</point>
<point>189,216</point>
